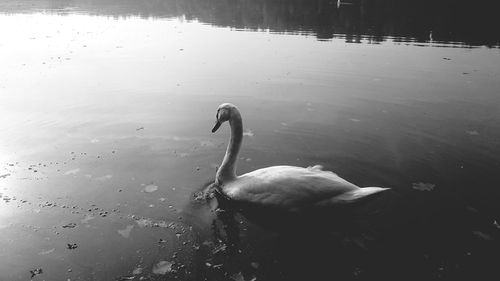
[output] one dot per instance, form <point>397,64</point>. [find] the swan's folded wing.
<point>288,186</point>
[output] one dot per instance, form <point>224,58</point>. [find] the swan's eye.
<point>222,114</point>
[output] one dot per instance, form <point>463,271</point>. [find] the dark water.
<point>107,106</point>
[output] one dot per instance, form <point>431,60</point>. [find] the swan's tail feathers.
<point>359,194</point>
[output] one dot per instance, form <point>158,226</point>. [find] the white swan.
<point>283,187</point>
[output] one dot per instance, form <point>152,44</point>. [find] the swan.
<point>287,188</point>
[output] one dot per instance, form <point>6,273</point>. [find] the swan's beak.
<point>217,125</point>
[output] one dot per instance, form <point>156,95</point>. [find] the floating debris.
<point>137,270</point>
<point>423,186</point>
<point>71,246</point>
<point>201,195</point>
<point>495,223</point>
<point>248,133</point>
<point>355,120</point>
<point>220,248</point>
<point>72,172</point>
<point>150,188</point>
<point>4,176</point>
<point>126,231</point>
<point>482,235</point>
<point>238,277</point>
<point>36,271</point>
<point>162,268</point>
<point>140,128</point>
<point>69,225</point>
<point>144,222</point>
<point>208,243</point>
<point>124,278</point>
<point>217,266</point>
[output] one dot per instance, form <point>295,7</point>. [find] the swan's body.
<point>283,187</point>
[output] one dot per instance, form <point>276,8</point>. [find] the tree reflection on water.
<point>355,20</point>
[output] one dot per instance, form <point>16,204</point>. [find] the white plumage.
<point>283,187</point>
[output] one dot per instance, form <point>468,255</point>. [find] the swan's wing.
<point>288,186</point>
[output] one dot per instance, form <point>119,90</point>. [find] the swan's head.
<point>223,114</point>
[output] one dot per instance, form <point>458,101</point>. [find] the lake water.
<point>107,106</point>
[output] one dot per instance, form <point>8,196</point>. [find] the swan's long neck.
<point>227,170</point>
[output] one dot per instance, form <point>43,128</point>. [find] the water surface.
<point>107,108</point>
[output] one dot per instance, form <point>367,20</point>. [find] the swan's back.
<point>294,187</point>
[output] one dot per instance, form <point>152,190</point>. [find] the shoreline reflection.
<point>356,20</point>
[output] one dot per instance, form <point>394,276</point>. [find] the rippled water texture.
<point>107,106</point>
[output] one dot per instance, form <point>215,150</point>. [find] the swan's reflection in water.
<point>409,236</point>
